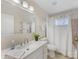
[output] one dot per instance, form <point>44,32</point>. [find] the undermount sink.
<point>17,53</point>
<point>18,47</point>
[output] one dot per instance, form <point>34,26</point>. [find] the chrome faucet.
<point>13,44</point>
<point>27,44</point>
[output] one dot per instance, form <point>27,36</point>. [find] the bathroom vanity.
<point>35,50</point>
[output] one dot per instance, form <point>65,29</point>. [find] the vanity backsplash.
<point>6,41</point>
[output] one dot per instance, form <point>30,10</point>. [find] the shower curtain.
<point>60,37</point>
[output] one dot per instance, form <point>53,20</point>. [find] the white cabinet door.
<point>38,54</point>
<point>45,52</point>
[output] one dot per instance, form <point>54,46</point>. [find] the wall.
<point>74,23</point>
<point>50,29</point>
<point>74,26</point>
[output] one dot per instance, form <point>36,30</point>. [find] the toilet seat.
<point>51,47</point>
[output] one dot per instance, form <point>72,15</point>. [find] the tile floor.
<point>59,56</point>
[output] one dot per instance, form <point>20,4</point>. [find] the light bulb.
<point>31,8</point>
<point>17,1</point>
<point>25,4</point>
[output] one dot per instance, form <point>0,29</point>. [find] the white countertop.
<point>33,47</point>
<point>23,52</point>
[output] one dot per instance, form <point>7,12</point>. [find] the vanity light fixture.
<point>31,8</point>
<point>25,4</point>
<point>17,1</point>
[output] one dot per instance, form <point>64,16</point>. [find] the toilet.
<point>51,50</point>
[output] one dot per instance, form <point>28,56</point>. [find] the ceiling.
<point>56,6</point>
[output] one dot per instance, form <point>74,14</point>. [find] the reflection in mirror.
<point>16,25</point>
<point>7,24</point>
<point>27,27</point>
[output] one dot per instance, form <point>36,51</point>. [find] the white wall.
<point>51,31</point>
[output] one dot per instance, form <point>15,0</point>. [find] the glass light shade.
<point>17,1</point>
<point>31,8</point>
<point>25,4</point>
